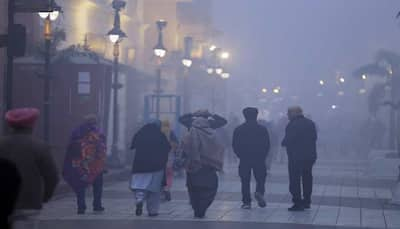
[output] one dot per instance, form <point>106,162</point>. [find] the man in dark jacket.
<point>300,142</point>
<point>251,144</point>
<point>32,158</point>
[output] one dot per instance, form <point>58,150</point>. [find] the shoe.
<point>167,195</point>
<point>139,209</point>
<point>246,206</point>
<point>260,200</point>
<point>81,211</point>
<point>296,208</point>
<point>99,209</point>
<point>153,214</point>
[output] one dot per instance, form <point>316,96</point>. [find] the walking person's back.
<point>204,157</point>
<point>33,160</point>
<point>251,145</point>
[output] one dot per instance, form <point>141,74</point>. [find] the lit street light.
<point>341,79</point>
<point>225,55</point>
<point>213,48</point>
<point>210,71</point>
<point>264,90</point>
<point>187,63</point>
<point>219,70</point>
<point>363,91</point>
<point>48,17</point>
<point>116,35</point>
<point>322,83</point>
<point>159,51</point>
<point>277,90</point>
<point>334,107</point>
<point>225,75</point>
<point>364,76</point>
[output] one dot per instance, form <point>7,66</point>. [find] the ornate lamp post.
<point>116,35</point>
<point>159,51</point>
<point>48,16</point>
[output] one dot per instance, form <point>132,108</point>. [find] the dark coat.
<point>11,183</point>
<point>251,142</point>
<point>36,167</point>
<point>152,149</point>
<point>300,139</point>
<point>215,121</point>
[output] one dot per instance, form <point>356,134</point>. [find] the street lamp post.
<point>48,17</point>
<point>159,51</point>
<point>116,35</point>
<point>187,63</point>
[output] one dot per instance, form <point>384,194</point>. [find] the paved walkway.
<point>343,198</point>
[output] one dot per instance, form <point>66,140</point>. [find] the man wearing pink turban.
<point>33,159</point>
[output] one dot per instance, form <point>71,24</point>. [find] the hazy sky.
<point>296,42</point>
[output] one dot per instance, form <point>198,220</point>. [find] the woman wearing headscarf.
<point>84,163</point>
<point>169,172</point>
<point>204,157</point>
<point>148,170</point>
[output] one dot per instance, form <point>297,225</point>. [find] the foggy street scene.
<point>201,114</point>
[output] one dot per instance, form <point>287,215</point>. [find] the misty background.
<point>294,44</point>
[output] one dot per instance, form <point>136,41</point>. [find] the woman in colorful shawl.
<point>148,170</point>
<point>204,157</point>
<point>84,163</point>
<point>169,172</point>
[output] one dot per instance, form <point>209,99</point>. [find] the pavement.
<point>344,197</point>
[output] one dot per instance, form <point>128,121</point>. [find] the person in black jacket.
<point>300,142</point>
<point>148,170</point>
<point>251,144</point>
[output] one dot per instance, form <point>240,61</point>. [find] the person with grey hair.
<point>300,142</point>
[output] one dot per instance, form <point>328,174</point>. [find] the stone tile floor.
<point>343,198</point>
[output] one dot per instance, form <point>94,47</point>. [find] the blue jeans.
<point>97,194</point>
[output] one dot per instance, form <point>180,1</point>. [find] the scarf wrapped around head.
<point>202,147</point>
<point>85,156</point>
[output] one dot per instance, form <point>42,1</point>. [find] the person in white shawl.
<point>204,157</point>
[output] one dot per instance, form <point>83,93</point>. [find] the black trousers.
<point>202,187</point>
<point>260,174</point>
<point>97,194</point>
<point>300,176</point>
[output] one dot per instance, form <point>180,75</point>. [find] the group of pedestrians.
<point>33,172</point>
<point>203,156</point>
